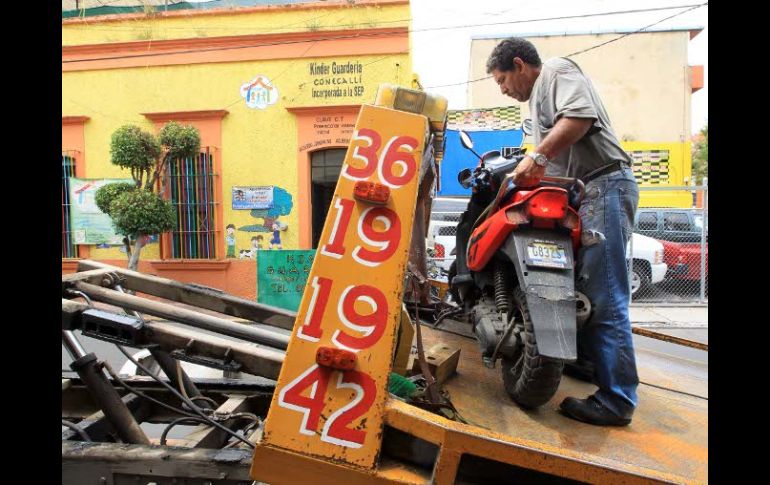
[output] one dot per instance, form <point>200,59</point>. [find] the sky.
<point>441,57</point>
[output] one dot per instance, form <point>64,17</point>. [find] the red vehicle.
<point>519,293</point>
<point>684,260</point>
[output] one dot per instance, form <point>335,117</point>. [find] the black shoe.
<point>591,411</point>
<point>582,370</point>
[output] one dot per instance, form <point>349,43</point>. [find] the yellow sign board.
<point>352,301</point>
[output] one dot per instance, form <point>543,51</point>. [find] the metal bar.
<point>109,400</point>
<point>169,366</point>
<point>204,436</point>
<point>98,426</point>
<point>89,462</point>
<point>72,344</point>
<point>201,297</point>
<point>670,338</point>
<point>206,189</point>
<point>174,201</point>
<point>94,275</point>
<point>259,361</point>
<point>188,317</point>
<point>703,248</point>
<point>188,215</point>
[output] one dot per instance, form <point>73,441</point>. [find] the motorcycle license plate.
<point>546,254</point>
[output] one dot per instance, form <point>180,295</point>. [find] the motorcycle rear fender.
<point>550,293</point>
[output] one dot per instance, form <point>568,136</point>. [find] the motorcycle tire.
<point>530,379</point>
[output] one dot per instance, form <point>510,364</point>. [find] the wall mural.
<point>259,93</point>
<point>650,166</point>
<point>268,222</point>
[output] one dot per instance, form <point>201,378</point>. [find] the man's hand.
<point>527,173</point>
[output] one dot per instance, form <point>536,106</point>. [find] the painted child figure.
<point>275,242</point>
<point>230,240</point>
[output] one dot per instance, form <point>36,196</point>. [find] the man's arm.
<point>564,133</point>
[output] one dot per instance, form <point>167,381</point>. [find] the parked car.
<point>684,260</point>
<point>667,224</point>
<point>648,262</point>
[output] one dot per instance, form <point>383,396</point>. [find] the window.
<point>68,249</point>
<point>325,171</point>
<point>676,221</point>
<point>191,189</point>
<point>648,222</point>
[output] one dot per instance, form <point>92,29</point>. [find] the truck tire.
<point>530,380</point>
<point>641,277</point>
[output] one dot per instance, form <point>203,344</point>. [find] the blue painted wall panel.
<point>457,158</point>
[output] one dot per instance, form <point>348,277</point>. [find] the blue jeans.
<point>607,215</point>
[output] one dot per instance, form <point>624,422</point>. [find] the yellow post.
<point>352,302</point>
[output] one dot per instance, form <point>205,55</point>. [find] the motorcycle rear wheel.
<point>530,379</point>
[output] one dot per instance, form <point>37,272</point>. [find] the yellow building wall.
<point>658,165</point>
<point>246,21</point>
<point>259,146</point>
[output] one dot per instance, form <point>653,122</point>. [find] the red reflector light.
<point>371,192</point>
<point>547,205</point>
<point>335,358</point>
<point>440,250</point>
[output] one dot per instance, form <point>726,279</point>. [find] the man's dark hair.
<point>502,56</point>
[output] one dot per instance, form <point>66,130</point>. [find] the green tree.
<point>700,156</point>
<point>139,210</point>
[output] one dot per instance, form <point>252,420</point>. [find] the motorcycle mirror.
<point>526,127</point>
<point>466,140</point>
<point>464,178</point>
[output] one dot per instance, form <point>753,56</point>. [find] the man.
<point>573,138</point>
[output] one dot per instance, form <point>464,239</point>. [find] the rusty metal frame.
<point>120,463</point>
<point>194,295</point>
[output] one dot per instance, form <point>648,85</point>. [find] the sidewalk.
<point>674,317</point>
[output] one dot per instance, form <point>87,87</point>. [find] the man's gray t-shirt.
<point>560,90</point>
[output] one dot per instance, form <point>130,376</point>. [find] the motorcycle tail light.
<point>440,250</point>
<point>547,205</point>
<point>339,359</point>
<point>371,192</point>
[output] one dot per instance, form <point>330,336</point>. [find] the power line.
<point>585,50</point>
<point>636,32</point>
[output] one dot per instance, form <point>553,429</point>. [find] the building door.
<point>325,170</point>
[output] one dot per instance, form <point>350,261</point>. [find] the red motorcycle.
<point>514,273</point>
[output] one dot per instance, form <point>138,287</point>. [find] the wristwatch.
<point>539,158</point>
